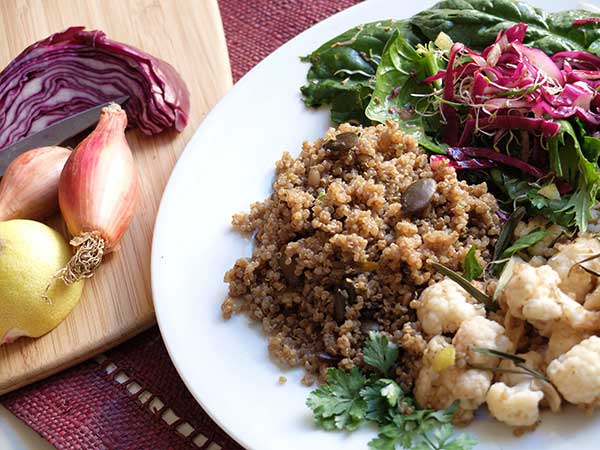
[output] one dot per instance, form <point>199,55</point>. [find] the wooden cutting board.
<point>117,303</point>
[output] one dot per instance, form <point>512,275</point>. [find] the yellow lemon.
<point>30,255</point>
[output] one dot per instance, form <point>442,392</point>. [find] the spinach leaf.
<point>398,84</point>
<point>591,148</point>
<point>561,24</point>
<point>476,23</point>
<point>399,77</point>
<point>342,72</point>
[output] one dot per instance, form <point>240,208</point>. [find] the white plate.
<point>227,165</point>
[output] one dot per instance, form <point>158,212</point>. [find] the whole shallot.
<point>29,186</point>
<point>97,193</point>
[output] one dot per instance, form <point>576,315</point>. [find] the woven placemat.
<point>133,398</point>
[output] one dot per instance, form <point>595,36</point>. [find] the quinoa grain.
<point>310,247</point>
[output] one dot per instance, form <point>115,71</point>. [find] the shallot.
<point>29,187</point>
<point>98,193</point>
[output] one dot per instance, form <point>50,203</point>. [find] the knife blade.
<point>55,134</point>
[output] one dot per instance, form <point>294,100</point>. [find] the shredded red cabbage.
<point>71,71</point>
<point>466,153</point>
<point>514,93</point>
<point>467,164</point>
<point>579,22</point>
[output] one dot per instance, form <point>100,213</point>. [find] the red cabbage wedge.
<point>71,71</point>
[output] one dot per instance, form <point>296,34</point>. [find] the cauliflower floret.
<point>530,293</point>
<point>443,306</point>
<point>533,294</point>
<point>438,390</point>
<point>533,360</point>
<point>592,300</point>
<point>480,332</point>
<point>513,376</point>
<point>575,281</point>
<point>517,406</point>
<point>576,374</point>
<point>563,338</point>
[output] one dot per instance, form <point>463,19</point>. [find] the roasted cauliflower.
<point>517,406</point>
<point>480,332</point>
<point>443,306</point>
<point>576,374</point>
<point>438,390</point>
<point>574,281</point>
<point>533,294</point>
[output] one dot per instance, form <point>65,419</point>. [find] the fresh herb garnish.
<point>422,430</point>
<point>350,399</point>
<point>517,361</point>
<point>338,403</point>
<point>587,269</point>
<point>381,395</point>
<point>380,353</point>
<point>507,232</point>
<point>485,299</point>
<point>471,267</point>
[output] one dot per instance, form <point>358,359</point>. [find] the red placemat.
<point>88,408</point>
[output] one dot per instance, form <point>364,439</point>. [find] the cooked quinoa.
<point>335,254</point>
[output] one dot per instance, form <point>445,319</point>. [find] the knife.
<point>55,134</point>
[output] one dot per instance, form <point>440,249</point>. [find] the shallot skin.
<point>98,189</point>
<point>29,186</point>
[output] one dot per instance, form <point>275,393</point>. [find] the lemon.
<point>30,255</point>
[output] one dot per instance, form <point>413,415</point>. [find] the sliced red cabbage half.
<point>71,71</point>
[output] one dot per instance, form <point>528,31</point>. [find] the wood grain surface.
<point>117,303</point>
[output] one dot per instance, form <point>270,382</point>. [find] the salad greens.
<point>568,161</point>
<point>350,399</point>
<point>476,24</point>
<point>471,267</point>
<point>489,85</point>
<point>399,72</point>
<point>524,242</point>
<point>342,71</point>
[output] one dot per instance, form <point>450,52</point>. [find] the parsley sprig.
<point>349,399</point>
